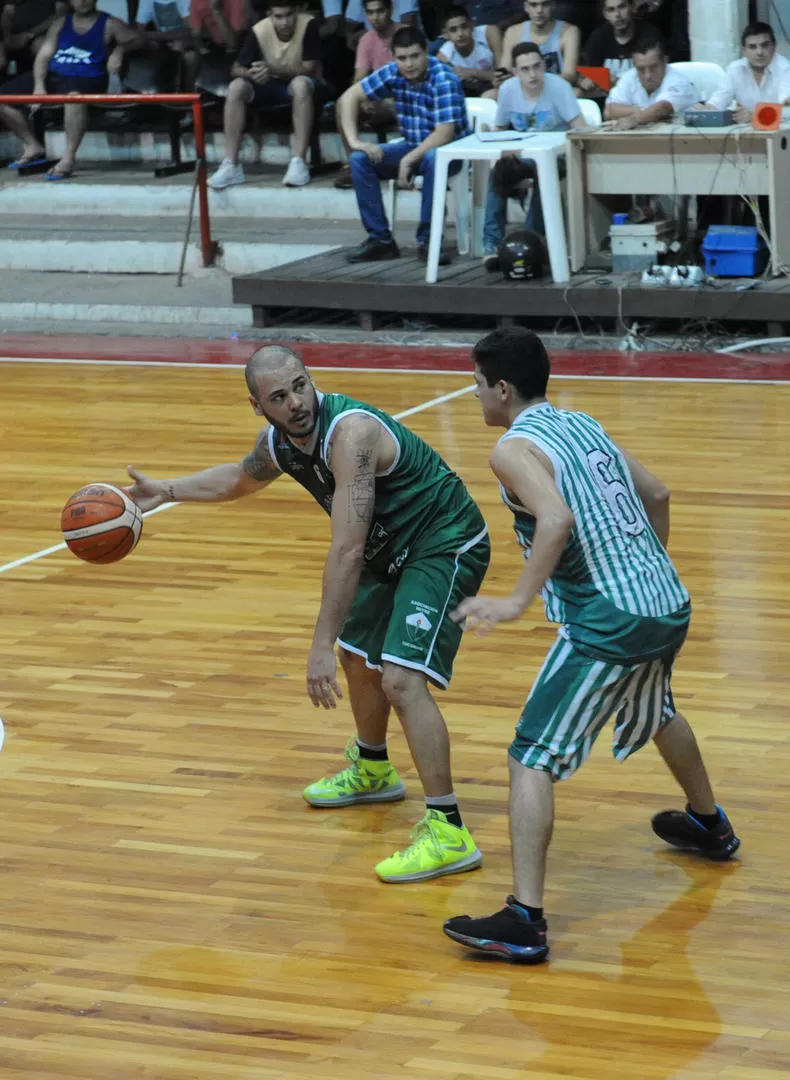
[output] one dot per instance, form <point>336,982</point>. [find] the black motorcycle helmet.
<point>521,255</point>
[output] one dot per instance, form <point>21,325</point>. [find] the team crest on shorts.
<point>416,624</point>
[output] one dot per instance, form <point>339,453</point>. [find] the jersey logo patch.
<point>418,623</point>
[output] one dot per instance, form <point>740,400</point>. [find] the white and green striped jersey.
<point>613,564</point>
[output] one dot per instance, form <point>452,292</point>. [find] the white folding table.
<point>544,148</point>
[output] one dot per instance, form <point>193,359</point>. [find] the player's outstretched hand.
<point>322,677</point>
<point>481,613</point>
<point>146,492</point>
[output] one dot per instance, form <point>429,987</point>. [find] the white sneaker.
<point>226,175</point>
<point>297,173</point>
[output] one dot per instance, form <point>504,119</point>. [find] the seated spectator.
<point>761,74</point>
<point>404,12</point>
<point>278,65</point>
<point>23,26</point>
<point>611,45</point>
<point>651,91</point>
<point>80,51</point>
<point>219,24</point>
<point>558,41</point>
<point>468,52</point>
<point>165,24</point>
<point>532,99</point>
<point>374,51</point>
<point>431,111</point>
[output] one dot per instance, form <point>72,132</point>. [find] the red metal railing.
<point>207,245</point>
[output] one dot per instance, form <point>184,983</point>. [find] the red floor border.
<point>663,365</point>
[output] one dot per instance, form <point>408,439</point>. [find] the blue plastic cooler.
<point>734,251</point>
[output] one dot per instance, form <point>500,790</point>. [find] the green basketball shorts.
<point>573,697</point>
<point>406,621</point>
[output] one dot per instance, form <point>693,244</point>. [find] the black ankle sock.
<point>709,821</point>
<point>534,913</point>
<point>372,755</point>
<point>452,813</point>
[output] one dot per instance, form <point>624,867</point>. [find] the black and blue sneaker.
<point>509,934</point>
<point>682,829</point>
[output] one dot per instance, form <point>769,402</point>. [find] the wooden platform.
<point>467,292</point>
<point>173,910</point>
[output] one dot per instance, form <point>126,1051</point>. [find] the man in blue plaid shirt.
<point>431,111</point>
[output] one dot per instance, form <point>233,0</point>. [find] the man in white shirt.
<point>532,101</point>
<point>762,74</point>
<point>651,91</point>
<point>467,51</point>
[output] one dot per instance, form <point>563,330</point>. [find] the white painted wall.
<point>715,29</point>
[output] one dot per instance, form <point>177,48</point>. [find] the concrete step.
<point>108,244</point>
<point>131,190</point>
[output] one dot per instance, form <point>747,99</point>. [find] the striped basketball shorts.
<point>574,696</point>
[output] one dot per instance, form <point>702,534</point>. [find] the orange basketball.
<point>101,524</point>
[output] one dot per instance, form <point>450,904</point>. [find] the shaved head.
<point>282,391</point>
<point>267,360</point>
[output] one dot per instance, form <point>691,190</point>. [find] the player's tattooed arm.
<point>354,462</point>
<point>259,465</point>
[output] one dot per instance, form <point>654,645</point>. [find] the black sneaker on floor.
<point>373,251</point>
<point>422,255</point>
<point>683,831</point>
<point>491,263</point>
<point>508,934</point>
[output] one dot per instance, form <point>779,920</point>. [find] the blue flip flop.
<point>33,161</point>
<point>52,175</point>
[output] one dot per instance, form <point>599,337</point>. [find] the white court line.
<point>393,371</point>
<point>166,506</point>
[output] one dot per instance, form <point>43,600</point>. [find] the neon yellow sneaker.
<point>437,847</point>
<point>362,781</point>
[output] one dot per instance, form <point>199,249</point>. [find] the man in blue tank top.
<point>79,52</point>
<point>558,41</point>
<point>594,525</point>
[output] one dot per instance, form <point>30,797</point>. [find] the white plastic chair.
<point>478,111</point>
<point>707,78</point>
<point>591,112</point>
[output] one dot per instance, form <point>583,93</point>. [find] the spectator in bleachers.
<point>278,64</point>
<point>611,45</point>
<point>671,21</point>
<point>532,99</point>
<point>762,74</point>
<point>558,41</point>
<point>164,24</point>
<point>468,52</point>
<point>651,91</point>
<point>23,26</point>
<point>404,12</point>
<point>220,23</point>
<point>80,51</point>
<point>431,111</point>
<point>374,51</point>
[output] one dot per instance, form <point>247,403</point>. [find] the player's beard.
<point>297,431</point>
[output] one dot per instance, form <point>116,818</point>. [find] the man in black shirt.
<point>279,64</point>
<point>611,45</point>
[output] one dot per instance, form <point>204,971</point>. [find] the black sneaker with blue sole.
<point>682,830</point>
<point>507,934</point>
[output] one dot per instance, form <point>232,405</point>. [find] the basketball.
<point>101,524</point>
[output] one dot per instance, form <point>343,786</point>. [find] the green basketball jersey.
<point>614,572</point>
<point>421,506</point>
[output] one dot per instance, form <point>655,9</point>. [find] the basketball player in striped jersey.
<point>594,526</point>
<point>408,545</point>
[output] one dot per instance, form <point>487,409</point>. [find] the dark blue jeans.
<point>367,178</point>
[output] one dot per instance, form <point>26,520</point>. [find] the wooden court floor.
<point>170,908</point>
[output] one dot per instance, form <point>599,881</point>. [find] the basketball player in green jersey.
<point>408,545</point>
<point>594,524</point>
